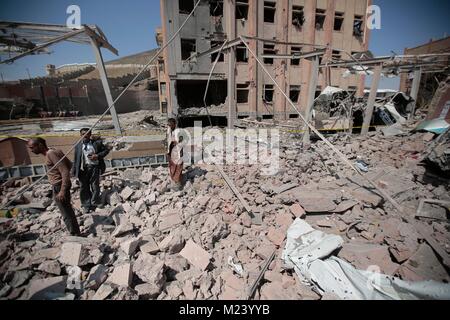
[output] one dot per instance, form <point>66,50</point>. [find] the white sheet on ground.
<point>308,251</point>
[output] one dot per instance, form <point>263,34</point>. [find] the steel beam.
<point>231,33</point>
<point>415,90</point>
<point>103,76</point>
<point>311,95</point>
<point>371,101</point>
<point>42,46</point>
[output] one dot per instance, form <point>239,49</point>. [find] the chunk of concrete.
<point>168,221</point>
<point>96,277</point>
<point>130,246</point>
<point>50,267</point>
<point>148,290</point>
<point>47,289</point>
<point>196,255</point>
<point>362,256</point>
<point>149,246</point>
<point>423,266</point>
<point>173,243</point>
<point>297,210</point>
<point>126,193</point>
<point>276,236</point>
<point>122,275</point>
<point>103,292</point>
<point>73,254</point>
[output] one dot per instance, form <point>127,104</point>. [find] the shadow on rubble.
<point>192,173</point>
<point>434,175</point>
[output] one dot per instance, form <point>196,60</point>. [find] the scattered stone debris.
<point>148,242</point>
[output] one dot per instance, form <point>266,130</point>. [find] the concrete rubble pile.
<point>150,242</point>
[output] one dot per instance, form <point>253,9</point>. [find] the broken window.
<point>217,44</point>
<point>298,17</point>
<point>186,6</point>
<point>163,107</point>
<point>241,53</point>
<point>161,65</point>
<point>163,88</point>
<point>336,55</point>
<point>242,9</point>
<point>216,8</point>
<point>352,89</point>
<point>320,18</point>
<point>270,50</point>
<point>188,47</point>
<point>190,93</point>
<point>296,51</point>
<point>338,21</point>
<point>268,93</point>
<point>242,93</point>
<point>318,92</point>
<point>294,93</point>
<point>357,26</point>
<point>269,11</point>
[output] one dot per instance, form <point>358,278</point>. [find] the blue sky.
<point>130,27</point>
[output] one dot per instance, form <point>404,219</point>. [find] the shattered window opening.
<point>241,53</point>
<point>163,107</point>
<point>268,93</point>
<point>269,11</point>
<point>186,6</point>
<point>295,51</point>
<point>269,49</point>
<point>320,18</point>
<point>161,65</point>
<point>352,89</point>
<point>188,46</point>
<point>298,16</point>
<point>216,8</point>
<point>294,93</point>
<point>242,9</point>
<point>242,91</point>
<point>336,55</point>
<point>190,93</point>
<point>318,92</point>
<point>357,26</point>
<point>163,88</point>
<point>215,44</point>
<point>338,21</point>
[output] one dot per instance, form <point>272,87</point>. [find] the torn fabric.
<point>307,251</point>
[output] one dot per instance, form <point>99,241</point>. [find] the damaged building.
<point>279,31</point>
<point>429,82</point>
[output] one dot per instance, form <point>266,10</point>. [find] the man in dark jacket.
<point>88,165</point>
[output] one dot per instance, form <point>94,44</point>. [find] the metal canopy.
<point>400,63</point>
<point>19,39</point>
<point>34,38</point>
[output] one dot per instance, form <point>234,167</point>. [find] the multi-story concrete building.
<point>284,28</point>
<point>428,83</point>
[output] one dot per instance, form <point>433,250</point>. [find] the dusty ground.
<point>153,243</point>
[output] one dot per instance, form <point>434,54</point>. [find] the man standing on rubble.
<point>88,165</point>
<point>59,178</point>
<point>175,153</point>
